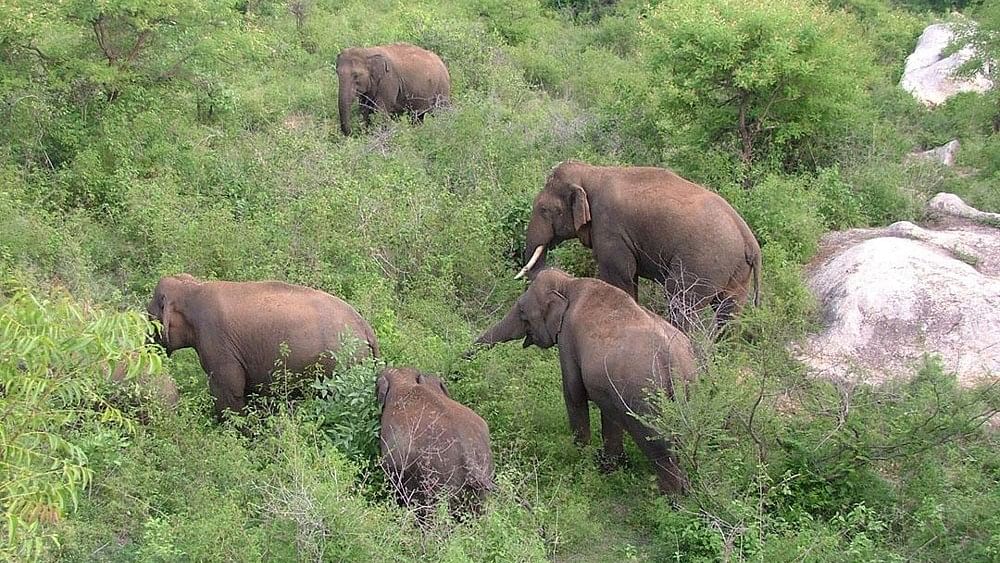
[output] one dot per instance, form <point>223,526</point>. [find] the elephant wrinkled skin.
<point>613,352</point>
<point>239,328</point>
<point>650,223</point>
<point>433,447</point>
<point>392,79</point>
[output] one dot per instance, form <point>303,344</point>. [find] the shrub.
<point>892,32</point>
<point>784,211</point>
<point>343,410</point>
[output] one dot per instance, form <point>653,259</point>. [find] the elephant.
<point>433,448</point>
<point>391,79</point>
<point>239,329</point>
<point>160,388</point>
<point>651,223</point>
<point>613,352</point>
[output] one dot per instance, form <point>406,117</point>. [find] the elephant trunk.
<point>511,327</point>
<point>155,337</point>
<point>347,95</point>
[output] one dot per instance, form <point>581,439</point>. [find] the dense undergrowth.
<point>140,139</point>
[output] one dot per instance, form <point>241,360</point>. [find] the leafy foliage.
<point>57,358</point>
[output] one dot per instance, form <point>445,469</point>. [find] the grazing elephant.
<point>613,352</point>
<point>160,388</point>
<point>392,79</point>
<point>650,223</point>
<point>432,447</point>
<point>239,328</point>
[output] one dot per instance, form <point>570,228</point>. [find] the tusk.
<point>531,263</point>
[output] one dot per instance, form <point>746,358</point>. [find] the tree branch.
<point>101,33</point>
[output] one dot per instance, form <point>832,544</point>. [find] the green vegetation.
<point>146,138</point>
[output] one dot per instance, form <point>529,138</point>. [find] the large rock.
<point>889,296</point>
<point>930,76</point>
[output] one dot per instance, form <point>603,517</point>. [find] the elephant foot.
<point>607,463</point>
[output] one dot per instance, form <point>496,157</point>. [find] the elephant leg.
<point>621,273</point>
<point>670,478</point>
<point>575,396</point>
<point>730,301</point>
<point>613,454</point>
<point>227,384</point>
<point>366,115</point>
<point>726,309</point>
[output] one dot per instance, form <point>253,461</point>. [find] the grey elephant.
<point>613,352</point>
<point>240,328</point>
<point>392,79</point>
<point>433,448</point>
<point>650,223</point>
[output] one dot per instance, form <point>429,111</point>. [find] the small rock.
<point>945,154</point>
<point>951,204</point>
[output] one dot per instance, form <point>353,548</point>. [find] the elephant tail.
<point>754,260</point>
<point>373,345</point>
<point>372,341</point>
<point>752,254</point>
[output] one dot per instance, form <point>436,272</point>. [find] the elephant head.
<point>561,211</point>
<point>362,73</point>
<point>166,306</point>
<point>401,379</point>
<point>537,316</point>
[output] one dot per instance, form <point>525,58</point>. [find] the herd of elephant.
<point>638,222</point>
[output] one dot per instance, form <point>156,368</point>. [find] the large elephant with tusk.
<point>651,223</point>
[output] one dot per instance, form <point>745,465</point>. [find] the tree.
<point>750,87</point>
<point>985,37</point>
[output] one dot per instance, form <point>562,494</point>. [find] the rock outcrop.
<point>930,75</point>
<point>945,154</point>
<point>889,296</point>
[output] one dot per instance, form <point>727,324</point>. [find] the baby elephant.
<point>612,352</point>
<point>433,448</point>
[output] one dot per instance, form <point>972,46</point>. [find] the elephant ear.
<point>435,383</point>
<point>167,313</point>
<point>381,390</point>
<point>581,208</point>
<point>378,67</point>
<point>546,322</point>
<point>554,314</point>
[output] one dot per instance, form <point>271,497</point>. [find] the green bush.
<point>784,211</point>
<point>342,408</point>
<point>892,32</point>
